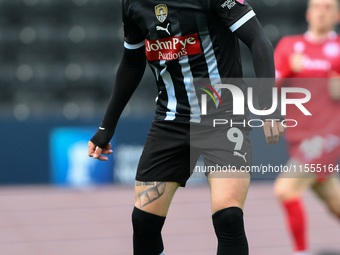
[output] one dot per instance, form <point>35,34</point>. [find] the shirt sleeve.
<point>133,35</point>
<point>281,59</point>
<point>233,13</point>
<point>335,64</point>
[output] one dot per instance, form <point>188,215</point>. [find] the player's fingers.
<point>102,158</point>
<point>108,146</point>
<point>275,132</point>
<point>91,148</point>
<point>105,151</point>
<point>281,129</point>
<point>97,152</point>
<point>268,133</point>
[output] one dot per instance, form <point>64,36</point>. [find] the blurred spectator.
<point>313,60</point>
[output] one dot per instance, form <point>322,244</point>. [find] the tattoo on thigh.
<point>139,183</point>
<point>151,194</point>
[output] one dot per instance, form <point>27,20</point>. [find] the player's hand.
<point>273,130</point>
<point>296,62</point>
<point>96,152</point>
<point>334,85</point>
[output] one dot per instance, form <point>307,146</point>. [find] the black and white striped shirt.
<point>184,41</point>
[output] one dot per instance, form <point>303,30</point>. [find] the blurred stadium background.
<point>58,60</point>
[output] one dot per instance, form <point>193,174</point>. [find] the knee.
<point>138,222</point>
<point>334,207</point>
<point>147,238</point>
<point>228,222</point>
<point>146,223</point>
<point>229,229</point>
<point>281,191</point>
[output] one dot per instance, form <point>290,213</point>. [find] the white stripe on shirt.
<point>190,88</point>
<point>134,46</point>
<point>242,20</point>
<point>170,90</point>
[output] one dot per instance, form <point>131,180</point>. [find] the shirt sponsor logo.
<point>172,48</point>
<point>316,64</point>
<point>229,3</point>
<point>161,11</point>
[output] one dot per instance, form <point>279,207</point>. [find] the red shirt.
<point>320,59</point>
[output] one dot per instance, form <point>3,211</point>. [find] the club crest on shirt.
<point>331,50</point>
<point>161,11</point>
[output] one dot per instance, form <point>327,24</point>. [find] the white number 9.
<point>235,135</point>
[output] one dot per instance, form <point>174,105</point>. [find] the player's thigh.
<point>329,192</point>
<point>228,189</point>
<point>166,154</point>
<point>291,185</point>
<point>154,197</point>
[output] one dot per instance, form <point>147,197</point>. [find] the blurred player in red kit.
<point>315,56</point>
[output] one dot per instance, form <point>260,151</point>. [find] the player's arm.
<point>287,63</point>
<point>129,74</point>
<point>241,20</point>
<point>282,64</point>
<point>252,34</point>
<point>334,85</point>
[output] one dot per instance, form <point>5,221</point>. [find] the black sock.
<point>229,229</point>
<point>147,238</point>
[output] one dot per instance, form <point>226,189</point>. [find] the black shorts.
<point>173,148</point>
